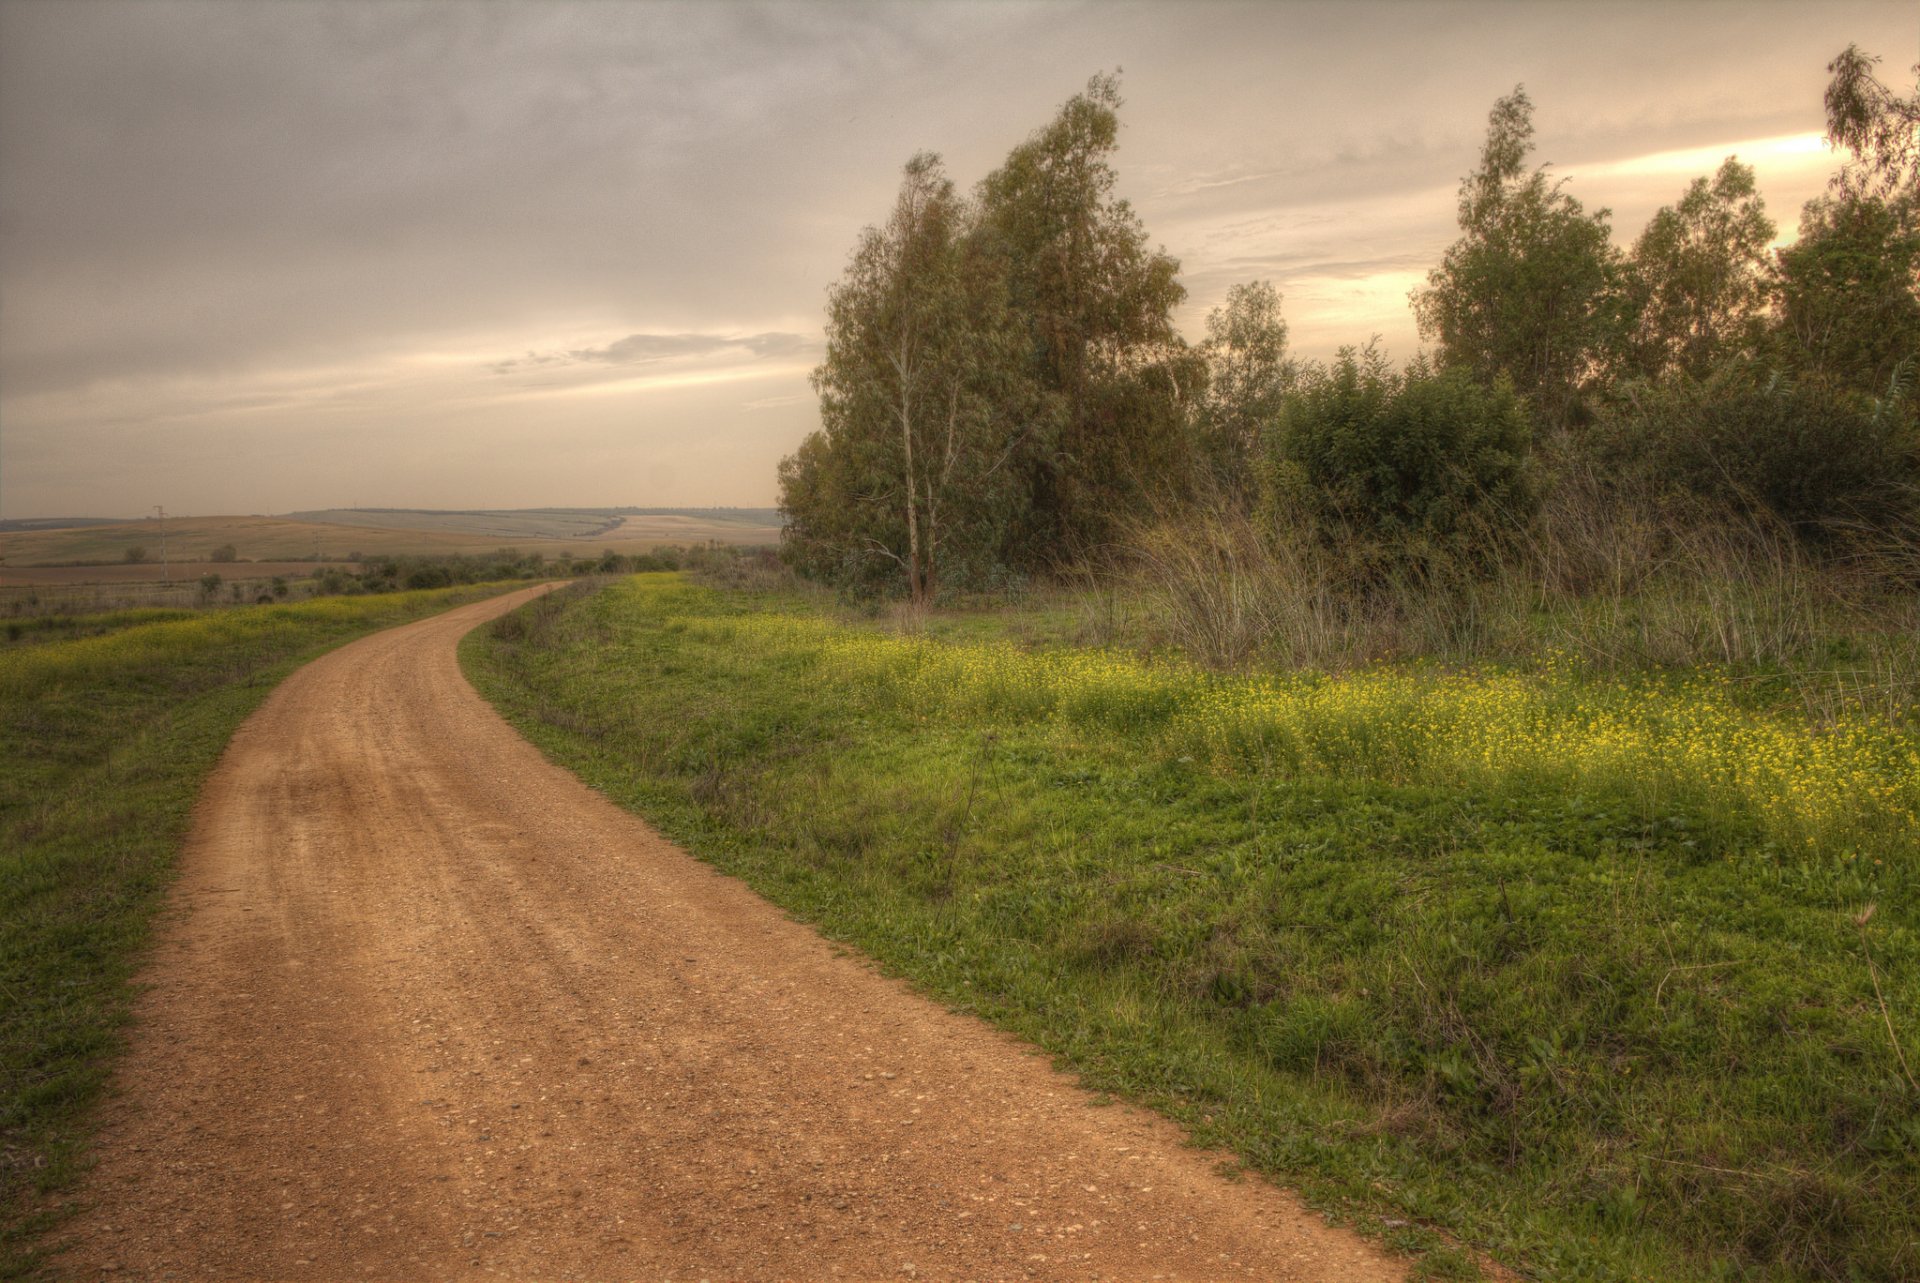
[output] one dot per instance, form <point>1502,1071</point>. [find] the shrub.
<point>136,554</point>
<point>1815,458</point>
<point>428,577</point>
<point>225,552</point>
<point>1399,469</point>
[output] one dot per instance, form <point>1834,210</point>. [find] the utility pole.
<point>166,575</point>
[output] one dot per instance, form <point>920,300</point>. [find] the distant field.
<point>552,523</point>
<point>528,523</point>
<point>193,539</point>
<point>152,572</point>
<point>11,524</point>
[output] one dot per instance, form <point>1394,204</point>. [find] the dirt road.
<point>427,1007</point>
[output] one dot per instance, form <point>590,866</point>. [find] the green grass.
<point>105,739</point>
<point>1607,1016</point>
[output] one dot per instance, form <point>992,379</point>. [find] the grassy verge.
<point>105,739</point>
<point>1579,973</point>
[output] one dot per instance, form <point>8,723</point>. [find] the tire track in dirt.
<point>426,1007</point>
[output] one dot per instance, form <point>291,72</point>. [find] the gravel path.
<point>426,1007</point>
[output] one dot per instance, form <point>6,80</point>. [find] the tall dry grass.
<point>1618,580</point>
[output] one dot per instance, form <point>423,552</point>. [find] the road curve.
<point>426,1007</point>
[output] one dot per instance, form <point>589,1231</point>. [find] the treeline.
<point>391,574</point>
<point>1004,391</point>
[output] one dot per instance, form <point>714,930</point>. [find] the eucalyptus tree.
<point>1849,287</point>
<point>1881,128</point>
<point>1848,302</point>
<point>919,400</point>
<point>1699,280</point>
<point>1248,375</point>
<point>1116,383</point>
<point>1529,290</point>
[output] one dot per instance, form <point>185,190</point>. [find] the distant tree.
<point>919,394</point>
<point>135,554</point>
<point>1116,383</point>
<point>1529,288</point>
<point>225,552</point>
<point>1248,374</point>
<point>1879,127</point>
<point>1698,280</point>
<point>209,585</point>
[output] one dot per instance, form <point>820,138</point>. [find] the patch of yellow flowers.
<point>1831,789</point>
<point>27,670</point>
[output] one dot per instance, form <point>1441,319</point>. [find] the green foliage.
<point>1530,290</point>
<point>1879,127</point>
<point>1698,282</point>
<point>1002,376</point>
<point>921,396</point>
<point>1248,375</point>
<point>1402,469</point>
<point>1598,1030</point>
<point>225,552</point>
<point>135,554</point>
<point>392,574</point>
<point>1096,307</point>
<point>1849,292</point>
<point>1816,459</point>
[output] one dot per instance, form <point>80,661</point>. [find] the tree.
<point>1848,302</point>
<point>1529,288</point>
<point>918,394</point>
<point>1849,292</point>
<point>1879,127</point>
<point>1115,380</point>
<point>1248,374</point>
<point>1698,279</point>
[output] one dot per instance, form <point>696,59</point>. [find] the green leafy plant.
<point>1395,469</point>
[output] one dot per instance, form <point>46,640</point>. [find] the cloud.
<point>210,210</point>
<point>650,349</point>
<point>637,348</point>
<point>779,402</point>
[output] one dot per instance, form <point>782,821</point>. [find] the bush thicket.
<point>1815,458</point>
<point>1417,469</point>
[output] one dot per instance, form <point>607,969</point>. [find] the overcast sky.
<point>260,256</point>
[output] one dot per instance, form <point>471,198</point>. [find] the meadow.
<point>355,535</point>
<point>1596,975</point>
<point>108,726</point>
